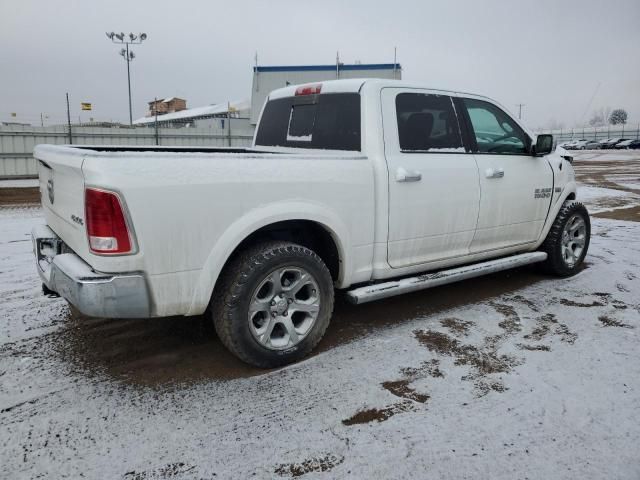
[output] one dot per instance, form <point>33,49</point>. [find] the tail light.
<point>106,224</point>
<point>309,89</point>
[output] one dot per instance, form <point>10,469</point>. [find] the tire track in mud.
<point>324,463</point>
<point>484,361</point>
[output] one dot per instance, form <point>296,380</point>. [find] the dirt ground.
<point>515,375</point>
<point>19,196</point>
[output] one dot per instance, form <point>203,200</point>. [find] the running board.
<point>429,280</point>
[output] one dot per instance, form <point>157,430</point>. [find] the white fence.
<point>17,141</point>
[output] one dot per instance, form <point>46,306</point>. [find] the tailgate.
<point>62,193</point>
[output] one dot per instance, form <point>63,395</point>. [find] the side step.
<point>429,280</point>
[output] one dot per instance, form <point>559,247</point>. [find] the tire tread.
<point>228,294</point>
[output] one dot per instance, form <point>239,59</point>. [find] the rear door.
<point>434,193</point>
<point>516,187</point>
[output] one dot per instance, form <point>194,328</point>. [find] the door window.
<point>494,130</point>
<point>427,123</point>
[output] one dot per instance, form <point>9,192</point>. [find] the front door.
<point>434,193</point>
<point>516,187</point>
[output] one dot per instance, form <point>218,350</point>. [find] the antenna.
<point>520,105</point>
<point>337,64</point>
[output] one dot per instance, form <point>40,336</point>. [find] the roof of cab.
<point>354,85</point>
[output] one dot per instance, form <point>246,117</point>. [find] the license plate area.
<point>46,250</point>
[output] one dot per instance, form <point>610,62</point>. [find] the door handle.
<point>494,172</point>
<point>403,175</point>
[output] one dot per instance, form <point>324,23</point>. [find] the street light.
<point>132,39</point>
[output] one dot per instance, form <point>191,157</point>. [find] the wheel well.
<point>572,196</point>
<point>303,232</point>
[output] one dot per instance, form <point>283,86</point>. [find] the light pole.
<point>132,39</point>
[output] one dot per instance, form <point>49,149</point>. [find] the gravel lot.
<point>515,375</point>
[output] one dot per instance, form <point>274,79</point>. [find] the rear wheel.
<point>568,240</point>
<point>273,304</point>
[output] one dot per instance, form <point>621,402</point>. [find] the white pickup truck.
<point>359,185</point>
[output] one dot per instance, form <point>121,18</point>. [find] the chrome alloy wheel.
<point>284,307</point>
<point>573,241</point>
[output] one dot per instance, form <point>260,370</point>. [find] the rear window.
<point>329,121</point>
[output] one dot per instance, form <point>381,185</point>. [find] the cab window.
<point>427,123</point>
<point>494,130</point>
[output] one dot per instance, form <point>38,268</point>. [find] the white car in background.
<point>580,144</point>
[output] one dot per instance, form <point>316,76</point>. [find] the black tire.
<point>556,262</point>
<point>237,286</point>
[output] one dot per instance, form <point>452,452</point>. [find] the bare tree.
<point>618,116</point>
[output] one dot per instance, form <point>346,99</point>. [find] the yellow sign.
<point>86,106</point>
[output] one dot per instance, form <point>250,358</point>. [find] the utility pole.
<point>229,123</point>
<point>69,120</point>
<point>155,111</point>
<point>520,105</point>
<point>337,65</point>
<point>128,56</point>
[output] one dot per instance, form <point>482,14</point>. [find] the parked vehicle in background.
<point>634,145</point>
<point>623,143</point>
<point>592,145</point>
<point>571,144</point>
<point>581,144</point>
<point>603,142</point>
<point>611,142</point>
<point>350,184</point>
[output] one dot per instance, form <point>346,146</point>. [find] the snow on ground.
<point>600,155</point>
<point>515,375</point>
<point>606,199</point>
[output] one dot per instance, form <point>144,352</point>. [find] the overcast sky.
<point>550,55</point>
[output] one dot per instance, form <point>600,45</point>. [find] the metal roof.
<point>195,113</point>
<point>322,68</point>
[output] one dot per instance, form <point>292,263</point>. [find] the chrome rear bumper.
<point>95,294</point>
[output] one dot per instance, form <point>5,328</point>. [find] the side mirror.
<point>543,146</point>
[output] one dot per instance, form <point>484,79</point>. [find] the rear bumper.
<point>95,294</point>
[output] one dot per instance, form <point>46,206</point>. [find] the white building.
<point>266,79</point>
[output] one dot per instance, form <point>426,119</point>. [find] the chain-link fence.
<point>595,133</point>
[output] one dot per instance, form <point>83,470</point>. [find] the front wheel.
<point>568,240</point>
<point>273,303</point>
